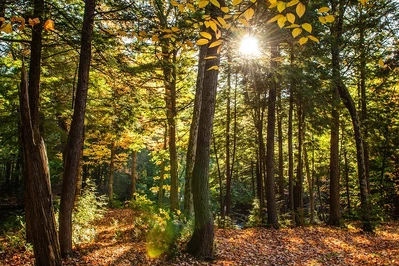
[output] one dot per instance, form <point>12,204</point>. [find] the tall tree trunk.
<point>346,165</point>
<point>227,198</point>
<point>133,176</point>
<point>298,189</point>
<point>192,142</point>
<point>111,173</point>
<point>338,7</point>
<point>40,220</point>
<point>201,242</point>
<point>76,133</point>
<point>272,217</point>
<point>310,184</point>
<point>290,144</point>
<point>220,179</point>
<point>280,154</point>
<point>335,213</point>
<point>162,170</point>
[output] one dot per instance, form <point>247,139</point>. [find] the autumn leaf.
<point>292,3</point>
<point>300,9</point>
<point>202,4</point>
<point>307,27</point>
<point>249,13</point>
<point>215,3</point>
<point>329,18</point>
<point>281,6</point>
<point>281,21</point>
<point>313,38</point>
<point>33,22</point>
<point>236,2</point>
<point>213,68</point>
<point>225,9</point>
<point>202,41</point>
<point>216,43</point>
<point>303,40</point>
<point>290,18</point>
<point>6,28</point>
<point>323,9</point>
<point>275,18</point>
<point>206,35</point>
<point>296,32</point>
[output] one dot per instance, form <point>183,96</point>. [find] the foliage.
<point>89,209</point>
<point>255,218</point>
<point>14,230</point>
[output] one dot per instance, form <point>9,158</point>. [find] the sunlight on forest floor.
<point>121,241</point>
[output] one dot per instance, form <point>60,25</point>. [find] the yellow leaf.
<point>290,18</point>
<point>202,41</point>
<point>175,29</point>
<point>213,68</point>
<point>33,22</point>
<point>218,34</point>
<point>216,43</point>
<point>189,43</point>
<point>323,9</point>
<point>249,13</point>
<point>213,26</point>
<point>300,9</point>
<point>275,18</point>
<point>191,7</point>
<point>211,57</point>
<point>322,20</point>
<point>215,3</point>
<point>155,38</point>
<point>329,18</point>
<point>181,7</point>
<point>303,40</point>
<point>202,4</point>
<point>363,2</point>
<point>280,6</point>
<point>7,28</point>
<point>244,22</point>
<point>292,3</point>
<point>292,26</point>
<point>273,5</point>
<point>273,1</point>
<point>307,27</point>
<point>313,38</point>
<point>225,9</point>
<point>49,25</point>
<point>174,3</point>
<point>381,63</point>
<point>2,19</point>
<point>296,32</point>
<point>281,21</point>
<point>206,35</point>
<point>236,2</point>
<point>221,21</point>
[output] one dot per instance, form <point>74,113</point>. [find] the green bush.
<point>254,218</point>
<point>15,235</point>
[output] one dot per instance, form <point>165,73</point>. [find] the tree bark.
<point>335,213</point>
<point>111,173</point>
<point>280,155</point>
<point>76,133</point>
<point>290,144</point>
<point>133,176</point>
<point>192,142</point>
<point>201,242</point>
<point>310,184</point>
<point>272,217</point>
<point>298,188</point>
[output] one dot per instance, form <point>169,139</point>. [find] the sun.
<point>250,46</point>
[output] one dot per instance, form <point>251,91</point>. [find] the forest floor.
<point>119,242</point>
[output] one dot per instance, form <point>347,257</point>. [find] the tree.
<point>39,205</point>
<point>75,136</point>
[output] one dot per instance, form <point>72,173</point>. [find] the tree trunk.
<point>133,175</point>
<point>338,6</point>
<point>76,133</point>
<point>227,198</point>
<point>280,155</point>
<point>111,174</point>
<point>192,142</point>
<point>272,217</point>
<point>290,144</point>
<point>298,189</point>
<point>201,242</point>
<point>335,213</point>
<point>310,184</point>
<point>162,170</point>
<point>40,220</point>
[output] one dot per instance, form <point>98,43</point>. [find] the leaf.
<point>296,32</point>
<point>175,29</point>
<point>249,13</point>
<point>174,3</point>
<point>273,1</point>
<point>329,18</point>
<point>381,63</point>
<point>189,43</point>
<point>273,5</point>
<point>7,28</point>
<point>307,27</point>
<point>216,43</point>
<point>202,4</point>
<point>206,35</point>
<point>244,22</point>
<point>323,9</point>
<point>213,68</point>
<point>300,9</point>
<point>290,18</point>
<point>303,40</point>
<point>322,20</point>
<point>211,57</point>
<point>181,7</point>
<point>363,2</point>
<point>33,22</point>
<point>292,26</point>
<point>275,18</point>
<point>215,3</point>
<point>236,2</point>
<point>2,19</point>
<point>280,6</point>
<point>313,38</point>
<point>213,26</point>
<point>225,9</point>
<point>155,38</point>
<point>281,21</point>
<point>221,21</point>
<point>292,3</point>
<point>202,41</point>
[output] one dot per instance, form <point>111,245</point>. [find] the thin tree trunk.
<point>162,170</point>
<point>310,184</point>
<point>220,179</point>
<point>335,213</point>
<point>298,190</point>
<point>133,176</point>
<point>346,164</point>
<point>290,144</point>
<point>111,174</point>
<point>192,142</point>
<point>272,217</point>
<point>280,155</point>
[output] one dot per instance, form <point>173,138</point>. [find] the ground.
<point>120,241</point>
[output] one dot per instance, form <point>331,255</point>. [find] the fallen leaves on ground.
<point>121,241</point>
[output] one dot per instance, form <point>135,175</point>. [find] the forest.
<point>199,132</point>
